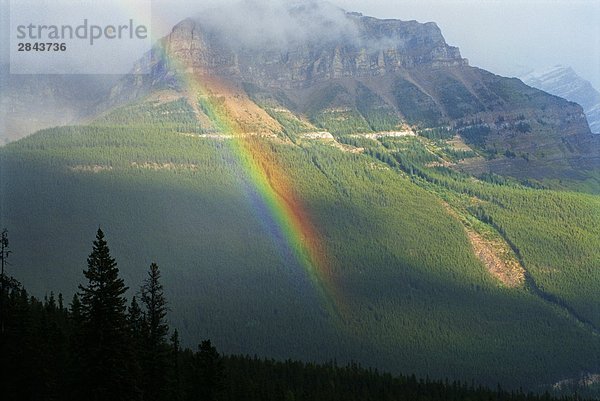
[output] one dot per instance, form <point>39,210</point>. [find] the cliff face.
<point>346,71</point>
<point>373,48</point>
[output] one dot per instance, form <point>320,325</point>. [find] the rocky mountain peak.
<point>563,81</point>
<point>298,46</point>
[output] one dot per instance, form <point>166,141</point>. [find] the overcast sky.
<point>498,35</point>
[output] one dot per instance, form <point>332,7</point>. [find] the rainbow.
<point>276,193</point>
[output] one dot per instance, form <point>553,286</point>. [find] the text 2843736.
<point>41,47</point>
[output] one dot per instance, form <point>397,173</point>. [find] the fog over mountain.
<point>258,24</point>
<point>542,32</point>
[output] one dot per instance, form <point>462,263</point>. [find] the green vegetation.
<point>379,115</point>
<point>438,133</point>
<point>94,349</point>
<point>177,115</point>
<point>554,233</point>
<point>587,181</point>
<point>476,134</point>
<point>338,119</point>
<point>416,106</point>
<point>456,99</point>
<point>419,299</point>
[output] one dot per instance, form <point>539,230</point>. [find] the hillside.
<point>346,73</point>
<point>42,342</point>
<point>398,256</point>
<point>318,207</point>
<point>29,103</point>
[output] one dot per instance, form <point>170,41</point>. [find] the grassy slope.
<point>418,299</point>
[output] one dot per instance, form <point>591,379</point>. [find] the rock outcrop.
<point>344,71</point>
<point>374,48</point>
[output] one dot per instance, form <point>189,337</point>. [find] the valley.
<point>395,207</point>
<point>398,240</point>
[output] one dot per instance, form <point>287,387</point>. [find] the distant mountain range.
<point>32,102</point>
<point>564,82</point>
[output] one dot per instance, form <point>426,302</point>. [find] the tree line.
<point>101,347</point>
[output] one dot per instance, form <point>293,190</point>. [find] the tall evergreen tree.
<point>106,343</point>
<point>154,300</point>
<point>138,334</point>
<point>137,323</point>
<point>75,375</point>
<point>208,372</point>
<point>4,252</point>
<point>155,358</point>
<point>174,377</point>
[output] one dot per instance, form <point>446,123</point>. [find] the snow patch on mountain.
<point>563,81</point>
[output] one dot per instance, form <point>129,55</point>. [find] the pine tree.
<point>15,345</point>
<point>106,348</point>
<point>4,252</point>
<point>138,334</point>
<point>155,349</point>
<point>174,377</point>
<point>209,373</point>
<point>75,374</point>
<point>137,322</point>
<point>156,307</point>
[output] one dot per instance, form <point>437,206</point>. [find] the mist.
<point>501,36</point>
<point>253,24</point>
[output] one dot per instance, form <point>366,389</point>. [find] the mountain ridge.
<point>563,81</point>
<point>377,75</point>
<point>29,103</point>
<point>435,270</point>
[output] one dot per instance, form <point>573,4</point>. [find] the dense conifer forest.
<point>395,215</point>
<point>101,347</point>
<point>355,216</point>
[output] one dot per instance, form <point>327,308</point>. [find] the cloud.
<point>262,24</point>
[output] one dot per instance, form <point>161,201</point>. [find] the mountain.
<point>564,82</point>
<point>326,188</point>
<point>377,75</point>
<point>29,103</point>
